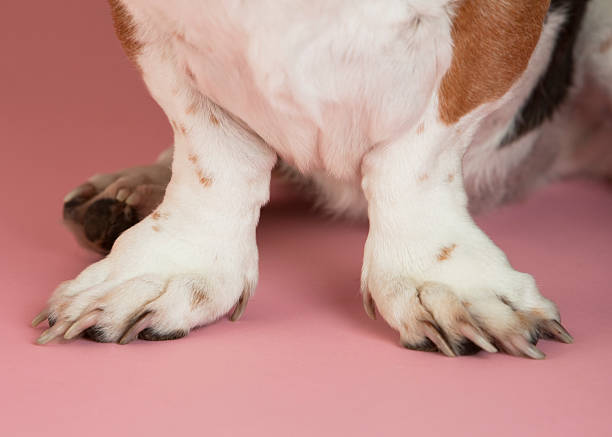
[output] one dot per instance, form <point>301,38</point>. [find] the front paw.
<point>463,316</point>
<point>154,286</point>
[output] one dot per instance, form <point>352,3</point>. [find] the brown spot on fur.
<point>213,119</point>
<point>189,73</point>
<point>450,178</point>
<point>606,45</point>
<point>156,215</point>
<point>125,29</point>
<point>192,108</point>
<point>199,297</point>
<point>423,177</point>
<point>420,129</point>
<point>446,252</point>
<point>204,180</point>
<point>183,129</point>
<point>156,228</point>
<point>492,44</point>
<point>193,158</point>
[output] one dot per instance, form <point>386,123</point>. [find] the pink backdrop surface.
<point>304,360</point>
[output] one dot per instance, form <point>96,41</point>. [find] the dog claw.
<point>84,322</point>
<point>434,335</point>
<point>369,305</point>
<point>43,315</point>
<point>477,337</point>
<point>240,306</point>
<point>85,190</point>
<point>557,331</point>
<point>526,348</point>
<point>52,333</point>
<point>142,323</point>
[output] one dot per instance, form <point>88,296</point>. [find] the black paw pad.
<point>105,220</point>
<point>151,335</point>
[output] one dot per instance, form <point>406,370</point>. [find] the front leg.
<point>195,257</point>
<point>432,273</point>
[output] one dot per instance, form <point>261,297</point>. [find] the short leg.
<point>195,257</point>
<point>432,273</point>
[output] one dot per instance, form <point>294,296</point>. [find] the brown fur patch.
<point>199,297</point>
<point>156,228</point>
<point>125,29</point>
<point>420,129</point>
<point>606,45</point>
<point>423,177</point>
<point>193,158</point>
<point>204,180</point>
<point>450,178</point>
<point>213,119</point>
<point>492,43</point>
<point>445,252</point>
<point>156,215</point>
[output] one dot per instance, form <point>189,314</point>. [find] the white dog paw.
<point>155,285</point>
<point>457,307</point>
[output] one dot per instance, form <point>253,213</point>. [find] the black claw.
<point>51,319</point>
<point>151,335</point>
<point>95,333</point>
<point>106,219</point>
<point>426,346</point>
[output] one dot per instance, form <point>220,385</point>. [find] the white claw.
<point>132,333</point>
<point>55,331</point>
<point>369,305</point>
<point>43,315</point>
<point>477,337</point>
<point>527,348</point>
<point>241,305</point>
<point>87,321</point>
<point>432,333</point>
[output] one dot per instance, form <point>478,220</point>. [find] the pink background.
<point>304,360</point>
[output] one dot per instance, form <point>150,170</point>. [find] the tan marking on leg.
<point>445,252</point>
<point>204,180</point>
<point>606,45</point>
<point>199,297</point>
<point>125,29</point>
<point>492,43</point>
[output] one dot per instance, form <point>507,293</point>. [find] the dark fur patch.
<point>465,347</point>
<point>151,335</point>
<point>95,333</point>
<point>426,346</point>
<point>553,87</point>
<point>105,220</point>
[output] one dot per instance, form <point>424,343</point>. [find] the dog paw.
<point>459,303</point>
<point>98,211</point>
<point>158,283</point>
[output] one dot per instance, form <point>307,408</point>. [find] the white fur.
<point>337,89</point>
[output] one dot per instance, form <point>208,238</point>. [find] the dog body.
<point>401,109</point>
